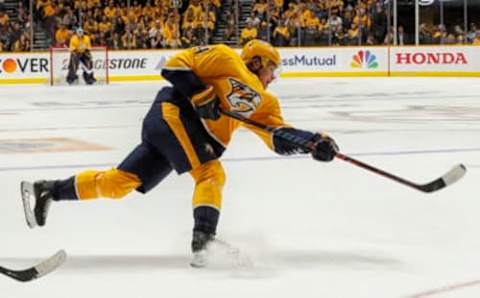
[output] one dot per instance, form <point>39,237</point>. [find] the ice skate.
<point>41,193</point>
<point>200,243</point>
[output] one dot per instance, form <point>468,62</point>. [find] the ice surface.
<point>308,229</point>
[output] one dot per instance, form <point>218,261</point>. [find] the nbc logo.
<point>364,59</point>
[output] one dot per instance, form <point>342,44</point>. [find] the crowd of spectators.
<point>15,34</point>
<point>144,25</point>
<point>340,22</point>
<point>148,24</point>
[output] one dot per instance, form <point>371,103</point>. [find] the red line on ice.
<point>446,289</point>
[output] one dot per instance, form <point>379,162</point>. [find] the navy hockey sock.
<point>64,190</point>
<point>206,219</point>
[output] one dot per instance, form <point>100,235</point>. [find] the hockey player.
<point>185,131</point>
<point>80,47</point>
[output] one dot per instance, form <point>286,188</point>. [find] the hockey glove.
<point>207,104</point>
<point>325,147</point>
<point>285,140</point>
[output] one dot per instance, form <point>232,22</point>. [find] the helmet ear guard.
<point>262,49</point>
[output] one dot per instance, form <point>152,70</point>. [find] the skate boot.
<point>200,242</point>
<point>41,193</point>
<point>72,79</point>
<point>89,78</point>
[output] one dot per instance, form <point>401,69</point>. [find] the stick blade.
<point>37,271</point>
<point>51,263</point>
<point>452,176</point>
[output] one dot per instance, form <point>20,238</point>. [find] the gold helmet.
<point>262,49</point>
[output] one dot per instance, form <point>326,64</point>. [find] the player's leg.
<point>87,61</point>
<point>141,170</point>
<point>73,67</point>
<point>113,183</point>
<point>207,201</point>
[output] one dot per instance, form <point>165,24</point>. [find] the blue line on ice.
<point>263,158</point>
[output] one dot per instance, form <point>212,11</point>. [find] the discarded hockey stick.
<point>37,271</point>
<point>452,176</point>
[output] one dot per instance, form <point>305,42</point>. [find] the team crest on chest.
<point>243,99</point>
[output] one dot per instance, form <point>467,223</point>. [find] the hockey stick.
<point>452,176</point>
<point>37,271</point>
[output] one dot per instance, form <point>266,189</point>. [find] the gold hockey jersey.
<point>238,88</point>
<point>80,44</point>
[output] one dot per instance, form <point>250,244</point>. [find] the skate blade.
<point>27,193</point>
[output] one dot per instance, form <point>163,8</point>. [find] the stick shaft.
<point>339,155</point>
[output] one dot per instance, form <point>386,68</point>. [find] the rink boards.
<point>141,65</point>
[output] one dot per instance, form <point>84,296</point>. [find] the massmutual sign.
<point>305,60</point>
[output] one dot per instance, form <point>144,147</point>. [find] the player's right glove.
<point>207,104</point>
<point>325,147</point>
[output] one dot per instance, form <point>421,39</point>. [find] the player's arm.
<point>88,43</point>
<point>187,69</point>
<point>270,114</point>
<point>179,71</point>
<point>73,46</point>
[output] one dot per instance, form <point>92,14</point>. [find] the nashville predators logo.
<point>243,99</point>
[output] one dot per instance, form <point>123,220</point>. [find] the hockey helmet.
<point>79,31</point>
<point>262,49</point>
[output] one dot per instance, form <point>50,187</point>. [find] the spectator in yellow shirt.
<point>175,42</point>
<point>476,41</point>
<point>362,20</point>
<point>105,25</point>
<point>110,10</point>
<point>4,19</point>
<point>62,36</point>
<point>91,4</point>
<point>278,4</point>
<point>196,8</point>
<point>353,34</point>
<point>90,26</point>
<point>49,9</point>
<point>260,9</point>
<point>169,32</point>
<point>188,20</point>
<point>248,33</point>
<point>149,10</point>
<point>281,35</point>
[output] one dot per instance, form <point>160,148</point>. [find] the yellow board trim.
<point>283,75</point>
<point>24,81</point>
<point>335,74</point>
<point>171,114</point>
<point>135,78</point>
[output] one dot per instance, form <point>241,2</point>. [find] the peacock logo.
<point>364,59</point>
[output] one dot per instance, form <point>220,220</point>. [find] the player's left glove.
<point>325,147</point>
<point>207,104</point>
